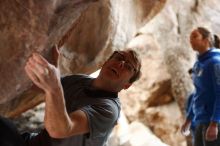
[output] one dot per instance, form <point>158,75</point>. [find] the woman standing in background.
<point>206,79</point>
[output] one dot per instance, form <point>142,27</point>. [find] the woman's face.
<point>196,40</point>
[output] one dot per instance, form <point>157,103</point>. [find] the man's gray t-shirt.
<point>102,109</point>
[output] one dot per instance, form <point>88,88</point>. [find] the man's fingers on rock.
<point>39,59</point>
<point>32,76</point>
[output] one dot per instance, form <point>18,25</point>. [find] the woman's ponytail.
<point>216,41</point>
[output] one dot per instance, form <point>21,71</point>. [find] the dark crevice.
<point>195,7</point>
<point>178,26</point>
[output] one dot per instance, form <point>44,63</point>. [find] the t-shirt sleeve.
<point>101,117</point>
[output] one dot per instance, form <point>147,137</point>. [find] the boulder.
<point>27,27</point>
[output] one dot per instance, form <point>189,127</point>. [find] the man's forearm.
<point>57,121</point>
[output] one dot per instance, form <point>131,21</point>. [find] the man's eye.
<point>128,66</point>
<point>195,36</point>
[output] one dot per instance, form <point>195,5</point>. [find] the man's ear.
<point>126,86</point>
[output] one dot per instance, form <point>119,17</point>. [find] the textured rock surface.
<point>26,27</point>
<point>164,121</point>
<point>133,134</point>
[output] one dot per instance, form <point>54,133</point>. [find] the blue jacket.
<point>206,78</point>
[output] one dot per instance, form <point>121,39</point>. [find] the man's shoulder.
<point>104,113</point>
<point>110,103</point>
<point>108,107</point>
